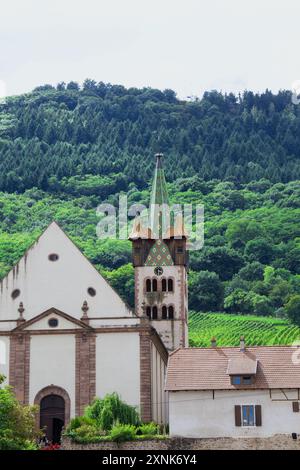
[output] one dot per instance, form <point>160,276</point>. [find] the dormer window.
<point>242,369</point>
<point>247,379</point>
<point>242,379</point>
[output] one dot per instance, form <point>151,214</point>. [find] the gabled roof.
<point>52,311</point>
<point>65,283</point>
<point>207,368</point>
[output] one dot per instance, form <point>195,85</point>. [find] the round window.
<point>15,293</point>
<point>53,257</point>
<point>53,322</point>
<point>91,291</point>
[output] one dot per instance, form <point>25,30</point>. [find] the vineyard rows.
<point>227,329</point>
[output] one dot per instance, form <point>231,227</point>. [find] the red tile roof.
<point>207,368</point>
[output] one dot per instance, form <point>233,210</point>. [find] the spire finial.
<point>85,309</point>
<point>21,310</point>
<point>159,157</point>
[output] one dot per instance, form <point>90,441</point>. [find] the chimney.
<point>242,343</point>
<point>213,342</point>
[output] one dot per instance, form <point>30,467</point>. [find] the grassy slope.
<point>227,329</point>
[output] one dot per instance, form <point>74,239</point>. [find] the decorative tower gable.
<point>159,255</point>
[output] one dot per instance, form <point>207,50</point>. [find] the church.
<point>68,337</point>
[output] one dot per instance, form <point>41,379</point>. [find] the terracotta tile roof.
<point>207,368</point>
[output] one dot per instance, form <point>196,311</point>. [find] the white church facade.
<point>69,337</point>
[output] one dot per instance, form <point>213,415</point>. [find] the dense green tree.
<point>17,422</point>
<point>238,301</point>
<point>241,231</point>
<point>222,260</point>
<point>292,309</point>
<point>206,291</point>
<point>261,250</point>
<point>252,271</point>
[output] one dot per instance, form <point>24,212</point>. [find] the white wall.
<point>159,397</point>
<point>52,362</point>
<point>196,414</point>
<point>4,357</point>
<point>62,284</point>
<point>118,365</point>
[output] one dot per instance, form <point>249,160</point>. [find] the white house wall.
<point>197,414</point>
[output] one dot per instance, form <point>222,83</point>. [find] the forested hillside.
<point>250,262</point>
<point>53,138</point>
<point>65,150</point>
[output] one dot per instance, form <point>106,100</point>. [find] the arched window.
<point>164,285</point>
<point>170,285</point>
<point>148,285</point>
<point>171,312</point>
<point>154,285</point>
<point>148,312</point>
<point>164,313</point>
<point>154,313</point>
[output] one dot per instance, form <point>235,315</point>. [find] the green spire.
<point>159,193</point>
<point>159,201</point>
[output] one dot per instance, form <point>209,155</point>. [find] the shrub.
<point>111,410</point>
<point>77,422</point>
<point>87,431</point>
<point>148,429</point>
<point>17,422</point>
<point>123,432</point>
<point>106,418</point>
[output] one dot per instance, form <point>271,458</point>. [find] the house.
<point>234,392</point>
<point>67,336</point>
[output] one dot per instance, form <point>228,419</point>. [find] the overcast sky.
<point>187,45</point>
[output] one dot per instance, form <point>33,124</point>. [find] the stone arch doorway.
<point>54,414</point>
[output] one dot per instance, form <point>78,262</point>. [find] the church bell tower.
<point>160,261</point>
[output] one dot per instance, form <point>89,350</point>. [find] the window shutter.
<point>258,415</point>
<point>295,406</point>
<point>237,414</point>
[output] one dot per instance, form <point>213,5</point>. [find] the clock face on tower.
<point>158,271</point>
